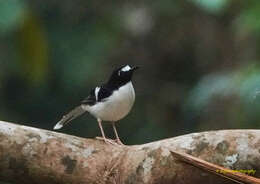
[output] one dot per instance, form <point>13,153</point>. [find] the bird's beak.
<point>134,68</point>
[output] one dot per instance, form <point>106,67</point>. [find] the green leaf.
<point>212,6</point>
<point>11,15</point>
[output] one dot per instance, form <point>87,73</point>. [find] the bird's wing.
<point>104,93</point>
<point>97,94</point>
<point>91,99</point>
<point>76,112</point>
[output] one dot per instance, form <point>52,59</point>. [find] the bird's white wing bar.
<point>96,92</point>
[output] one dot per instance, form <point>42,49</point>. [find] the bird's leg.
<point>103,134</point>
<point>117,137</point>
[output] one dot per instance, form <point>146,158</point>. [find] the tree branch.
<point>31,155</point>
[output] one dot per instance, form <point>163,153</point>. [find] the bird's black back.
<point>117,79</point>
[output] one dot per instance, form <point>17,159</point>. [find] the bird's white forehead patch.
<point>126,68</point>
<point>96,92</point>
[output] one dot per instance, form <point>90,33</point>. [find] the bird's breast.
<point>116,106</point>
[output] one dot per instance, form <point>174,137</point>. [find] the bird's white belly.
<point>116,106</point>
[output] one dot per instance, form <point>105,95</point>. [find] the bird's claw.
<point>118,141</point>
<point>115,142</point>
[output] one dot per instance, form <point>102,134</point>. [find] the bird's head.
<point>122,75</point>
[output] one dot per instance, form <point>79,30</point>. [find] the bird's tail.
<point>76,112</point>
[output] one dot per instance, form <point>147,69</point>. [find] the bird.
<point>109,102</point>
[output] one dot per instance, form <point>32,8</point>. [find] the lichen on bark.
<point>31,155</point>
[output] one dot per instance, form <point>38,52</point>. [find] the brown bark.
<point>31,155</point>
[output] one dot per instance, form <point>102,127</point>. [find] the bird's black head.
<point>122,75</point>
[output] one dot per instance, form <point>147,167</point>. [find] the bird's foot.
<point>118,141</point>
<point>108,141</point>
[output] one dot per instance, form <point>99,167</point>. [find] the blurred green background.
<point>199,63</point>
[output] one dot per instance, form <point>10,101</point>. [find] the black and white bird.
<point>109,102</point>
